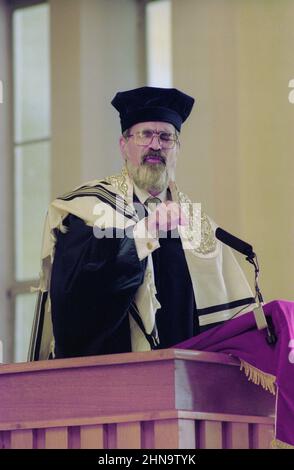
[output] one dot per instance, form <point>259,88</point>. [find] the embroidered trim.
<point>119,181</point>
<point>258,377</point>
<point>208,240</point>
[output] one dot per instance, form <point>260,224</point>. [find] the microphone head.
<point>234,242</point>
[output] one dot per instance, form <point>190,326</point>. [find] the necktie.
<point>151,202</point>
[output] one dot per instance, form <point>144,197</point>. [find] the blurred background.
<point>61,63</point>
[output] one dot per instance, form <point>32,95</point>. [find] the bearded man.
<point>128,262</point>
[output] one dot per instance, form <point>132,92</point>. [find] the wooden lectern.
<point>169,398</point>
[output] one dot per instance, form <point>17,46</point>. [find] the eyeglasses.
<point>167,140</point>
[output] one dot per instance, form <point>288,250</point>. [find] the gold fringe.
<point>277,444</point>
<point>267,381</point>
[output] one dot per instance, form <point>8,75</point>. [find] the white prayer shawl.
<point>220,286</point>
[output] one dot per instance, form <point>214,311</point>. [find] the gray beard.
<point>149,177</point>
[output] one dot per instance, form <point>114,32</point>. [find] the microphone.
<point>235,243</point>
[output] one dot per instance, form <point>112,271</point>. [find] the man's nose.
<point>155,143</point>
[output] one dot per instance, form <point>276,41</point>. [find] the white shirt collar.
<point>142,195</point>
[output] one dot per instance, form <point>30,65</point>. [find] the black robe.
<point>94,281</point>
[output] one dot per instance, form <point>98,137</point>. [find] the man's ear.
<point>122,143</point>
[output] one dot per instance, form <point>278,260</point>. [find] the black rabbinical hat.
<point>152,104</point>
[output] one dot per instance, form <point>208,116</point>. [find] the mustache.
<point>154,153</point>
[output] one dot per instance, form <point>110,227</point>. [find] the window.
<point>31,93</point>
<point>158,43</point>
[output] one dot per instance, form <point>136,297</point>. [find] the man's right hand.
<point>167,216</point>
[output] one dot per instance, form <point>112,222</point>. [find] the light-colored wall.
<point>65,95</point>
<point>266,142</point>
<point>237,58</point>
<point>6,209</point>
<point>94,53</point>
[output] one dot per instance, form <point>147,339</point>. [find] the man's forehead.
<point>154,125</point>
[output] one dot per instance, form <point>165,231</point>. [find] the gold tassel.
<point>277,444</point>
<point>267,381</point>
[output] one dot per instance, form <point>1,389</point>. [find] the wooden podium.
<point>170,398</point>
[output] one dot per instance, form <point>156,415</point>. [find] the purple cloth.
<point>241,338</point>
